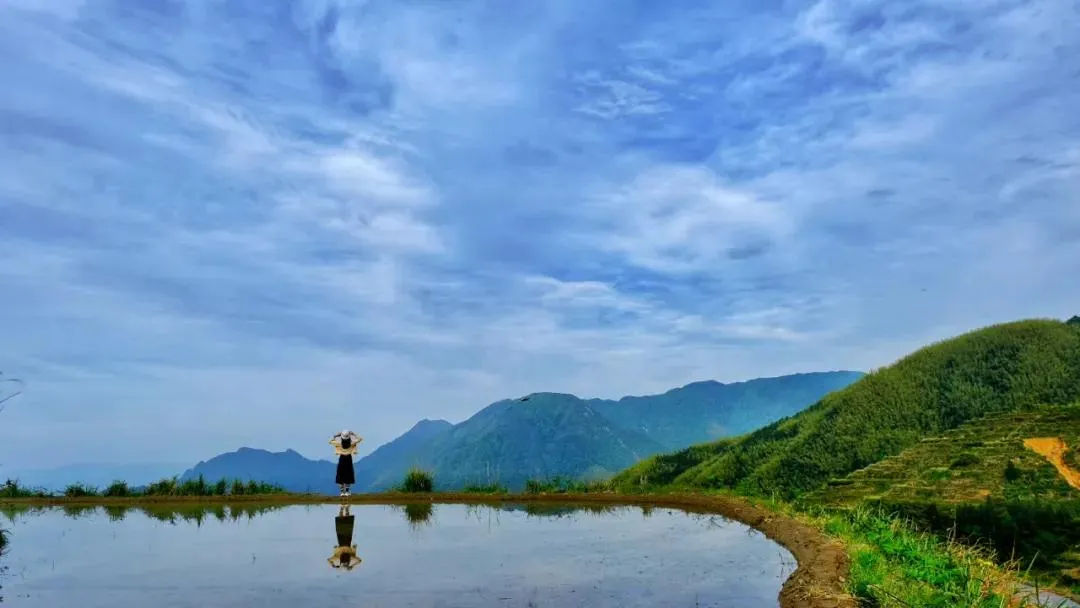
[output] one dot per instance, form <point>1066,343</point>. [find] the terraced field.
<point>984,458</point>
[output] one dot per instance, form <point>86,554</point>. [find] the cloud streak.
<point>252,222</point>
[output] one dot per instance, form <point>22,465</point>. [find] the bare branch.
<point>15,383</point>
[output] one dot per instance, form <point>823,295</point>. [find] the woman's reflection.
<point>345,553</point>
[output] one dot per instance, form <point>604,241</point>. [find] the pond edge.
<point>819,579</point>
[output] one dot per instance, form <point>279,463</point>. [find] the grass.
<point>978,483</point>
<point>418,514</point>
<point>893,564</point>
<point>162,488</point>
<point>12,489</point>
<point>565,485</point>
<point>486,488</point>
<point>896,563</point>
<point>417,481</point>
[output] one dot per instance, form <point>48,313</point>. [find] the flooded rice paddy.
<point>370,555</point>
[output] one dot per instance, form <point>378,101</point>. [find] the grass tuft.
<point>488,488</point>
<point>418,480</point>
<point>565,485</point>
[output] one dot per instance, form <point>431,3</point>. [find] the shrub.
<point>418,480</point>
<point>238,488</point>
<point>1012,472</point>
<point>117,489</point>
<point>965,459</point>
<point>78,490</point>
<point>12,489</point>
<point>163,487</point>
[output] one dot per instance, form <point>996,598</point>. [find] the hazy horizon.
<point>239,223</point>
<point>312,450</point>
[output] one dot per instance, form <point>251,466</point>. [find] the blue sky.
<point>242,222</point>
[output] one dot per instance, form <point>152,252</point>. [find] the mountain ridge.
<point>629,428</point>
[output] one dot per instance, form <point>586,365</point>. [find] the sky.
<point>231,223</point>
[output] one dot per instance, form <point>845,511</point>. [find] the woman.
<point>345,444</point>
<point>344,555</point>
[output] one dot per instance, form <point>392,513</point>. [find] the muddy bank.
<point>818,581</point>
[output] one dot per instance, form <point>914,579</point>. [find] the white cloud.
<point>679,219</point>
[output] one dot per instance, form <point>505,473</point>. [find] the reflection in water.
<point>344,555</point>
<point>419,514</point>
<point>3,551</point>
<point>564,510</point>
<point>558,556</point>
<point>171,514</point>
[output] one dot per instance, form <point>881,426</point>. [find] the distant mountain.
<point>94,474</point>
<point>399,454</point>
<point>296,473</point>
<point>539,436</point>
<point>288,469</point>
<point>705,411</point>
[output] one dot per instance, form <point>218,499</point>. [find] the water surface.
<point>438,556</point>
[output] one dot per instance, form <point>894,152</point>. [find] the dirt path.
<point>1053,449</point>
<point>818,581</point>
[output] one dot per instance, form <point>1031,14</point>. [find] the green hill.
<point>982,459</point>
<point>980,483</point>
<point>1004,368</point>
<point>540,436</point>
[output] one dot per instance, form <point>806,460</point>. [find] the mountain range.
<point>544,435</point>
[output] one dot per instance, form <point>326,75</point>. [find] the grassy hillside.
<point>1010,367</point>
<point>982,483</point>
<point>984,458</point>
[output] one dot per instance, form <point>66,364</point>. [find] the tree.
<point>1074,321</point>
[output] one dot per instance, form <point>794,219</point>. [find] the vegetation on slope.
<point>895,564</point>
<point>981,459</point>
<point>981,484</point>
<point>1010,367</point>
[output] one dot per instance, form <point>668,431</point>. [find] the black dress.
<point>343,528</point>
<point>345,473</point>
